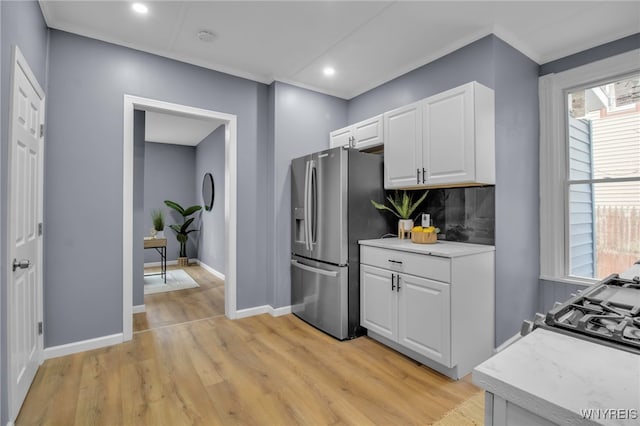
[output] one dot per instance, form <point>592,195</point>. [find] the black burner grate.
<point>608,313</point>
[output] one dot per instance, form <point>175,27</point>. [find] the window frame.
<point>554,158</point>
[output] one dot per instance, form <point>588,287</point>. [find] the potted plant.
<point>402,206</point>
<point>182,231</point>
<point>157,217</point>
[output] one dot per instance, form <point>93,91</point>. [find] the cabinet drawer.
<point>432,267</point>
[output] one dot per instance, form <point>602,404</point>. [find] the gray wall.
<point>472,62</point>
<point>83,154</point>
<point>269,249</point>
<point>551,292</point>
<point>302,122</point>
<point>591,55</point>
<point>169,173</point>
<point>21,24</point>
<point>210,159</point>
<point>514,79</point>
<point>2,237</point>
<point>138,207</point>
<point>517,192</point>
<point>88,79</point>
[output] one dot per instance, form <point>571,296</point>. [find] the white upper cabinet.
<point>341,137</point>
<point>455,146</point>
<point>368,133</point>
<point>362,135</point>
<point>403,146</point>
<point>458,136</point>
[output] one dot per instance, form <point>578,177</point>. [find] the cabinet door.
<point>378,302</point>
<point>448,136</point>
<point>403,147</point>
<point>368,133</point>
<point>340,137</point>
<point>424,321</point>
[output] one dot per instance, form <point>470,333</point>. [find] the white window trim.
<point>553,157</point>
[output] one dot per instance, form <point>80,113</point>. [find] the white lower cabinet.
<point>437,310</point>
<point>410,310</point>
<point>501,412</point>
<point>378,302</point>
<point>423,302</point>
<point>398,306</point>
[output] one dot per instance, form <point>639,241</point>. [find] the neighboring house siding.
<point>617,152</point>
<point>581,200</point>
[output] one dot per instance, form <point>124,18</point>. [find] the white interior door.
<point>25,241</point>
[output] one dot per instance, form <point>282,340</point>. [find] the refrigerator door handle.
<point>313,204</point>
<point>306,206</point>
<point>315,270</point>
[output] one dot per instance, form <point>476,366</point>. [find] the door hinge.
<point>40,327</point>
<point>41,130</point>
<point>40,229</point>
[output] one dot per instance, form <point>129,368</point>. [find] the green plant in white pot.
<point>157,217</point>
<point>182,231</point>
<point>402,206</point>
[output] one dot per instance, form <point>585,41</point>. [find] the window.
<point>603,186</point>
<point>590,170</point>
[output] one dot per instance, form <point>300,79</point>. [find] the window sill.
<point>570,280</point>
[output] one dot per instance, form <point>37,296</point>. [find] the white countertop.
<point>555,376</point>
<point>440,248</point>
<point>633,271</point>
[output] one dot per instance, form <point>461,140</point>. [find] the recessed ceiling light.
<point>140,8</point>
<point>329,71</point>
<point>206,35</point>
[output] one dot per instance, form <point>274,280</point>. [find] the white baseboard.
<point>209,269</point>
<point>276,312</point>
<point>154,264</point>
<point>84,345</point>
<point>507,343</point>
<point>264,309</point>
<point>137,309</point>
<point>250,312</point>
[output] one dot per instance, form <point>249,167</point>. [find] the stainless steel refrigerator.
<point>330,211</point>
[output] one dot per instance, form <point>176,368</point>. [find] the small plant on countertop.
<point>402,204</point>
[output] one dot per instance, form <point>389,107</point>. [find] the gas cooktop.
<point>607,313</point>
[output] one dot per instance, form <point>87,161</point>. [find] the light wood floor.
<point>253,371</point>
<point>176,307</point>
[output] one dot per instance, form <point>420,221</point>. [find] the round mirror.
<point>208,191</point>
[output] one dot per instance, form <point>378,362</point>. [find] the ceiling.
<point>176,129</point>
<point>367,42</point>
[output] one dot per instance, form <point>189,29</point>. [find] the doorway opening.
<point>132,103</point>
<point>178,195</point>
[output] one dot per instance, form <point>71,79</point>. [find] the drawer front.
<point>432,267</point>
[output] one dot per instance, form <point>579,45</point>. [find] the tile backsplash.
<point>462,214</point>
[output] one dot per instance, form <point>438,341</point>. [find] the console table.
<point>160,245</point>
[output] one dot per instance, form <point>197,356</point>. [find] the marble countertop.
<point>633,271</point>
<point>440,248</point>
<point>556,376</point>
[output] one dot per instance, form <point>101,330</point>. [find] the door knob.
<point>23,264</point>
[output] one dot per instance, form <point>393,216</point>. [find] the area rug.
<point>468,413</point>
<point>177,279</point>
